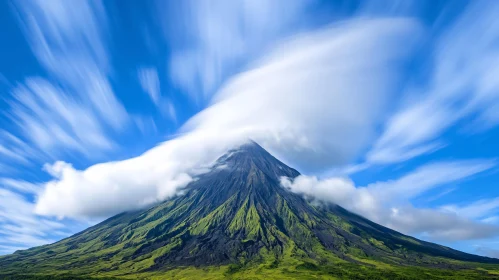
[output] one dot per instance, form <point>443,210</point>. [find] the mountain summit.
<point>236,218</point>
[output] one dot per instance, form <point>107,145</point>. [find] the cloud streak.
<point>149,81</point>
<point>76,110</point>
<point>213,37</point>
<point>460,88</point>
<point>54,120</point>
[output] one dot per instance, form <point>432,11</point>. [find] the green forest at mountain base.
<point>291,269</point>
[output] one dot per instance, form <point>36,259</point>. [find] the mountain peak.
<point>251,156</point>
<point>251,146</point>
<point>249,149</point>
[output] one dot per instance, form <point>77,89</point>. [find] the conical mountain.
<point>237,221</point>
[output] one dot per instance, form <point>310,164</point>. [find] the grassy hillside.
<point>294,269</point>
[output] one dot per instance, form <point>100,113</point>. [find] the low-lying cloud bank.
<point>314,101</point>
<point>388,203</point>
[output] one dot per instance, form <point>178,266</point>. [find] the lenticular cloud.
<point>314,101</point>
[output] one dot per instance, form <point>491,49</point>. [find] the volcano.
<point>237,221</point>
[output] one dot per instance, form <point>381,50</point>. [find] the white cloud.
<point>168,109</point>
<point>441,194</point>
<point>388,203</point>
<point>54,120</point>
<point>329,82</point>
<point>12,154</point>
<point>15,150</point>
<point>68,40</point>
<point>462,87</point>
<point>322,83</point>
<point>407,133</point>
<point>63,35</point>
<point>214,36</point>
<point>20,185</point>
<point>149,81</point>
<point>109,188</point>
<point>478,209</point>
<point>146,125</point>
<point>435,225</point>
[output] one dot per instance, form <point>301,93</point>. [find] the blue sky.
<point>388,108</point>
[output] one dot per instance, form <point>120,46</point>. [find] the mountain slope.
<point>237,217</point>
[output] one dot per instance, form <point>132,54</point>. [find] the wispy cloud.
<point>21,186</point>
<point>214,37</point>
<point>12,154</point>
<point>462,88</point>
<point>441,194</point>
<point>480,209</point>
<point>72,111</point>
<point>54,120</point>
<point>149,81</point>
<point>15,150</point>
